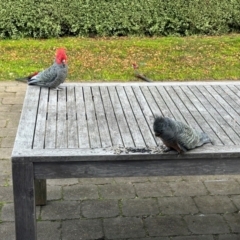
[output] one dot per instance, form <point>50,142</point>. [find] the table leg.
<point>40,192</point>
<point>24,201</point>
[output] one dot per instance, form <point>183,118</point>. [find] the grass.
<point>111,59</point>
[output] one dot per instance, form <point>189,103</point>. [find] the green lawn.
<point>111,59</point>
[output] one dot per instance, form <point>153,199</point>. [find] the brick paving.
<point>147,208</point>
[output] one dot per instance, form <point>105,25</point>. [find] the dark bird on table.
<point>177,135</point>
<point>53,76</point>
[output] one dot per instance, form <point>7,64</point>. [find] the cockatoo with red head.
<point>53,76</point>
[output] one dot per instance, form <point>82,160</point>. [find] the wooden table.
<point>105,130</point>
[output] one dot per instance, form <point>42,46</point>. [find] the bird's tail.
<point>27,78</point>
<point>205,138</point>
<point>142,77</point>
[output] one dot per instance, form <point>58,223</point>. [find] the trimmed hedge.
<point>54,18</point>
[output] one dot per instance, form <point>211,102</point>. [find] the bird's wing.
<point>44,78</point>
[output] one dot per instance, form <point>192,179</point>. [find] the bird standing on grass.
<point>53,76</point>
<point>139,75</point>
<point>177,135</point>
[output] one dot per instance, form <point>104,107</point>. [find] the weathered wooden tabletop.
<point>100,119</point>
<point>105,130</point>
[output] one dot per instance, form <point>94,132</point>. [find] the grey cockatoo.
<point>53,76</point>
<point>177,135</point>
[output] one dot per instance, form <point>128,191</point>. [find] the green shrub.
<point>56,18</point>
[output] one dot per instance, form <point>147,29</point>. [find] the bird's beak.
<point>63,61</point>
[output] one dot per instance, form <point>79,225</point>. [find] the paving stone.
<point>100,208</point>
<point>54,193</point>
<point>7,213</point>
<point>139,207</point>
<point>7,94</point>
<point>188,188</point>
<point>166,226</point>
<point>80,192</point>
<point>56,210</point>
<point>7,231</point>
<point>7,142</point>
<point>131,179</point>
<point>6,194</point>
<point>233,221</point>
<point>13,123</point>
<point>195,237</point>
<point>165,179</point>
<point>13,100</point>
<point>5,153</point>
<point>206,224</point>
<point>82,230</point>
<point>155,189</point>
<point>16,108</point>
<point>203,178</point>
<point>123,228</point>
<point>236,200</point>
<point>47,230</point>
<point>4,180</point>
<point>117,191</point>
<point>147,238</point>
<point>4,108</point>
<point>62,182</point>
<point>98,181</point>
<point>3,123</point>
<point>215,204</point>
<point>5,167</point>
<point>223,187</point>
<point>11,132</point>
<point>177,205</point>
<point>16,88</point>
<point>229,237</point>
<point>10,116</point>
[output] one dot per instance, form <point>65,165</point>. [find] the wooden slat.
<point>101,118</point>
<point>130,118</point>
<point>91,119</point>
<point>182,108</point>
<point>230,100</point>
<point>81,119</point>
<point>62,132</point>
<point>221,116</point>
<point>144,126</point>
<point>235,89</point>
<point>151,102</point>
<point>197,116</point>
<point>39,135</point>
<point>145,108</point>
<point>120,117</point>
<point>50,137</point>
<point>111,118</point>
<point>202,107</point>
<point>71,119</point>
<point>25,133</point>
<point>169,100</point>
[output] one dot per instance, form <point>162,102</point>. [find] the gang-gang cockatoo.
<point>177,135</point>
<point>53,76</point>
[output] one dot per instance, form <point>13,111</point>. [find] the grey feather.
<point>51,77</point>
<point>178,135</point>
